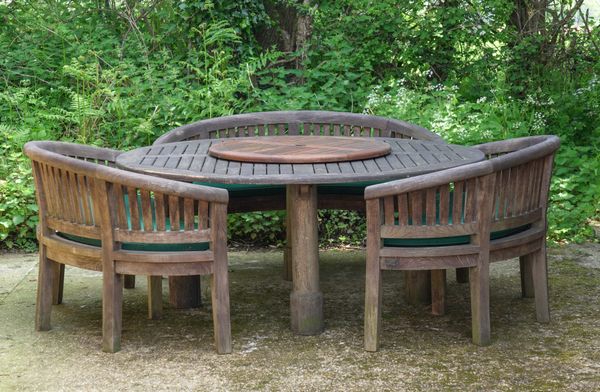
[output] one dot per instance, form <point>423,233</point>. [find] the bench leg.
<point>129,281</point>
<point>58,272</point>
<point>112,307</point>
<point>525,266</point>
<point>155,305</point>
<point>43,305</point>
<point>438,292</point>
<point>480,303</point>
<point>540,285</point>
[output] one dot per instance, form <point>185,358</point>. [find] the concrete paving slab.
<point>419,351</point>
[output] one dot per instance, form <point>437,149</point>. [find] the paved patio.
<point>419,351</point>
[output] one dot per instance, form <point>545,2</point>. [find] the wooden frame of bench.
<point>507,191</point>
<point>79,194</point>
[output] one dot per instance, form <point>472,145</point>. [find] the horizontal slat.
<point>516,221</point>
<point>162,237</point>
<point>393,231</point>
<point>170,268</point>
<point>163,257</point>
<point>533,234</point>
<point>73,228</point>
<point>431,251</point>
<point>429,263</point>
<point>75,248</point>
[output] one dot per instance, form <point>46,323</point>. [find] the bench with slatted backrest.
<point>464,217</point>
<point>100,218</point>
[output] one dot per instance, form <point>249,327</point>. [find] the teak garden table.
<point>301,163</point>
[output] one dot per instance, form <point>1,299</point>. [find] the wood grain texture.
<point>506,192</point>
<point>298,149</point>
<point>407,157</point>
<point>80,197</point>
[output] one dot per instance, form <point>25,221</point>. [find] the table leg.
<point>287,251</point>
<point>417,286</point>
<point>306,300</point>
<point>184,292</point>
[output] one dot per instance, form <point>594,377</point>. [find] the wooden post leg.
<point>417,286</point>
<point>58,272</point>
<point>154,297</point>
<point>129,281</point>
<point>480,304</point>
<point>462,275</point>
<point>306,299</point>
<point>43,305</point>
<point>220,280</point>
<point>184,292</point>
<point>438,292</point>
<point>526,265</point>
<point>112,307</point>
<point>287,251</point>
<point>540,285</point>
<point>373,278</point>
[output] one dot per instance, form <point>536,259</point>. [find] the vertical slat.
<point>45,180</point>
<point>188,214</point>
<point>388,208</point>
<point>511,190</point>
<point>457,204</point>
<point>336,130</point>
<point>203,215</point>
<point>272,130</point>
<point>403,209</point>
<point>174,212</point>
<point>120,200</point>
<point>430,210</point>
<point>470,200</point>
<point>147,210</point>
<point>85,200</point>
<point>416,203</point>
<point>498,192</point>
<point>159,211</point>
<point>66,211</point>
<point>506,181</point>
<point>523,189</point>
<point>444,205</point>
<point>326,129</point>
<point>134,212</point>
<point>347,130</point>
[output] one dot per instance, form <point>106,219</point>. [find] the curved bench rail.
<point>302,122</point>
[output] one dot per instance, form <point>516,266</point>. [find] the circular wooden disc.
<point>299,149</point>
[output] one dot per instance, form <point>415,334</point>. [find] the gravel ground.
<point>419,351</point>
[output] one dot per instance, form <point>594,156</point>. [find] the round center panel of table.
<point>299,149</point>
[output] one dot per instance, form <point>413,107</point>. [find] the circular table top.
<point>298,149</point>
<point>190,161</point>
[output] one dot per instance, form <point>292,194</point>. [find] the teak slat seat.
<point>487,211</point>
<point>97,217</point>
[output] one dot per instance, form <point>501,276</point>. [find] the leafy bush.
<point>120,74</point>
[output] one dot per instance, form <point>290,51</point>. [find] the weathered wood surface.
<point>298,149</point>
<point>80,194</point>
<point>507,191</point>
<point>302,122</point>
<point>190,161</point>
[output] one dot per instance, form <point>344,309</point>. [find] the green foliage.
<point>120,74</point>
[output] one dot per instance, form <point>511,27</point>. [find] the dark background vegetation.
<point>121,73</point>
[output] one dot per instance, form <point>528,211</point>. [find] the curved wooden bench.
<point>506,195</point>
<point>101,218</point>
